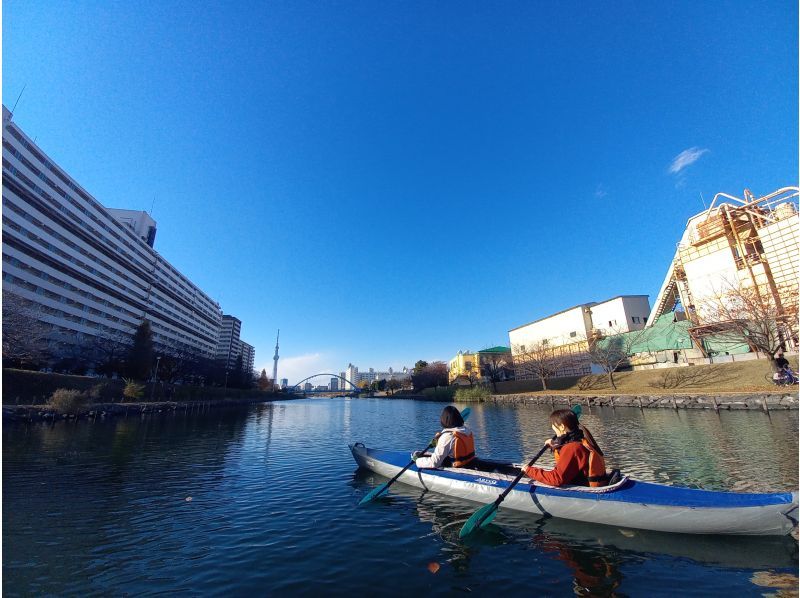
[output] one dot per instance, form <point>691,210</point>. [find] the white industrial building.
<point>88,271</point>
<point>568,331</point>
<point>736,243</point>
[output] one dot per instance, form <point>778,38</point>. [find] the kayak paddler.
<point>579,460</point>
<point>455,446</point>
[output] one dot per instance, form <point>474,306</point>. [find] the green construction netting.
<point>667,335</point>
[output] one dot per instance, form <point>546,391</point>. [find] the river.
<point>262,501</point>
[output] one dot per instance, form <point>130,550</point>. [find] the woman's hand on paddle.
<point>549,443</point>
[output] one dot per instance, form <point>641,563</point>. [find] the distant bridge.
<point>353,388</point>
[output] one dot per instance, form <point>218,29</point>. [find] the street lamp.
<point>155,379</point>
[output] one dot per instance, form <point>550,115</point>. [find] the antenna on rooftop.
<point>18,97</point>
<point>703,199</point>
<point>152,205</point>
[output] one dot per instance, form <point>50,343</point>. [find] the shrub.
<point>65,400</point>
<point>439,393</point>
<point>476,393</point>
<point>133,390</point>
<point>103,391</point>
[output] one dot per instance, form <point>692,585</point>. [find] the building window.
<point>573,334</point>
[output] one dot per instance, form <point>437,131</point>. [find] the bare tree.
<point>392,385</point>
<point>539,360</point>
<point>763,317</point>
<point>110,351</point>
<point>612,351</point>
<point>429,375</point>
<point>496,367</point>
<point>24,335</point>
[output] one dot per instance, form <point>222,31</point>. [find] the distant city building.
<point>568,332</point>
<point>248,357</point>
<point>468,367</point>
<point>353,376</point>
<point>89,272</point>
<point>308,386</point>
<point>229,345</point>
<point>284,382</point>
<point>749,243</point>
<point>334,384</point>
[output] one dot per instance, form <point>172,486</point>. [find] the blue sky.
<point>389,182</point>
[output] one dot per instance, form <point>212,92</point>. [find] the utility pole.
<point>155,379</point>
<point>275,365</point>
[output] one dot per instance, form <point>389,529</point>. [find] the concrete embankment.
<point>763,401</point>
<point>31,413</point>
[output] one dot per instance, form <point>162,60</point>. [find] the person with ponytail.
<point>579,461</point>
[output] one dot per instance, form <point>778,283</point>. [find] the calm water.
<point>262,501</point>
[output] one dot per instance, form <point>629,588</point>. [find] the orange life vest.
<point>597,475</point>
<point>463,449</point>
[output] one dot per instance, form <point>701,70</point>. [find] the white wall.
<point>615,316</point>
<point>556,330</point>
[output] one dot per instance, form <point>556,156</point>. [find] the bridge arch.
<point>353,386</point>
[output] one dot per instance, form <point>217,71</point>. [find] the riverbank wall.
<point>753,401</point>
<point>750,401</point>
<point>38,413</point>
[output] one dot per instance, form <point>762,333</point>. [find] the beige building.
<point>468,367</point>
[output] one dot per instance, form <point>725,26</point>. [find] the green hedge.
<point>439,393</point>
<point>476,393</point>
<point>23,387</point>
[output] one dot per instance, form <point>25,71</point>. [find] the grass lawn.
<point>744,376</point>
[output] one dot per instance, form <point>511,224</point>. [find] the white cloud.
<point>685,158</point>
<point>297,367</point>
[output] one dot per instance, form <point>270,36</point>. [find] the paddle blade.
<point>577,410</point>
<point>480,518</point>
<point>373,494</point>
<point>465,413</point>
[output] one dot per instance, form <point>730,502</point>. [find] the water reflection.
<point>100,507</point>
<point>595,556</point>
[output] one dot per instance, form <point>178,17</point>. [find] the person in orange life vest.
<point>579,461</point>
<point>455,446</point>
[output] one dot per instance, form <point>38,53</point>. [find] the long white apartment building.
<point>87,270</point>
<point>569,331</point>
<point>353,376</point>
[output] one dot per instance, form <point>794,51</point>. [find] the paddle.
<point>376,492</point>
<point>483,516</point>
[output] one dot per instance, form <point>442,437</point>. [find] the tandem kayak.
<point>629,503</point>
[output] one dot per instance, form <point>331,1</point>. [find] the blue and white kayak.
<point>628,503</point>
